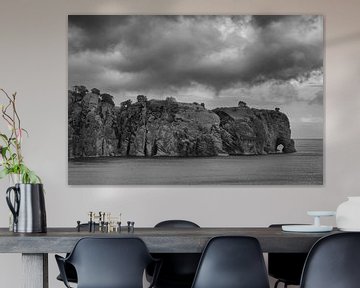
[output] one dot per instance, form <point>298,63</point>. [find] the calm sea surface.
<point>305,167</point>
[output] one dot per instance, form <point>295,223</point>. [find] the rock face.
<point>92,129</point>
<point>249,131</point>
<point>169,128</point>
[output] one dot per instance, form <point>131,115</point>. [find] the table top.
<point>158,240</point>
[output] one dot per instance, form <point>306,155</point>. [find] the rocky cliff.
<point>92,125</point>
<point>169,128</point>
<point>249,131</point>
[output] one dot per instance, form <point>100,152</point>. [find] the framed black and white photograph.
<point>209,100</point>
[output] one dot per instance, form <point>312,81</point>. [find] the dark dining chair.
<point>286,267</point>
<point>70,271</point>
<point>232,262</point>
<point>108,263</point>
<point>333,262</point>
<point>178,269</point>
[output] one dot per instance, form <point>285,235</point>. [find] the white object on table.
<point>348,214</point>
<point>316,227</point>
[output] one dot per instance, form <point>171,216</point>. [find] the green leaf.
<point>27,133</point>
<point>13,156</point>
<point>15,169</point>
<point>4,137</point>
<point>33,178</point>
<point>3,151</point>
<point>4,173</point>
<point>28,176</point>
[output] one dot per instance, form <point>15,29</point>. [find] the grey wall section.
<point>33,62</point>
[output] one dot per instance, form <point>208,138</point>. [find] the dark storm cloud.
<point>265,20</point>
<point>132,53</point>
<point>97,31</point>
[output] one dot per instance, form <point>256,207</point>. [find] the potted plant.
<point>12,160</point>
<point>26,197</point>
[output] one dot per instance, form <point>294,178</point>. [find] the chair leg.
<point>278,282</point>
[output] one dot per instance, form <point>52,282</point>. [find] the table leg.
<point>35,270</point>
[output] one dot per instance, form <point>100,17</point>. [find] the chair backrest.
<point>232,262</point>
<point>286,266</point>
<point>176,224</point>
<point>333,262</point>
<point>178,269</point>
<point>110,262</point>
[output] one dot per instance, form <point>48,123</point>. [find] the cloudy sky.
<point>266,61</point>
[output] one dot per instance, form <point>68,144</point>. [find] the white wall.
<point>33,62</point>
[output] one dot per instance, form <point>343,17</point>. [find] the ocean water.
<point>305,167</point>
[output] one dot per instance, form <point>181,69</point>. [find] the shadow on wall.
<point>344,39</point>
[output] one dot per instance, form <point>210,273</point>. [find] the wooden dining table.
<point>35,247</point>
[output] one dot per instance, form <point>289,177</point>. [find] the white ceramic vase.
<point>348,214</point>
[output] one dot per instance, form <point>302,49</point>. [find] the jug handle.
<point>13,208</point>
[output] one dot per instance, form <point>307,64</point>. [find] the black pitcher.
<point>28,207</point>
